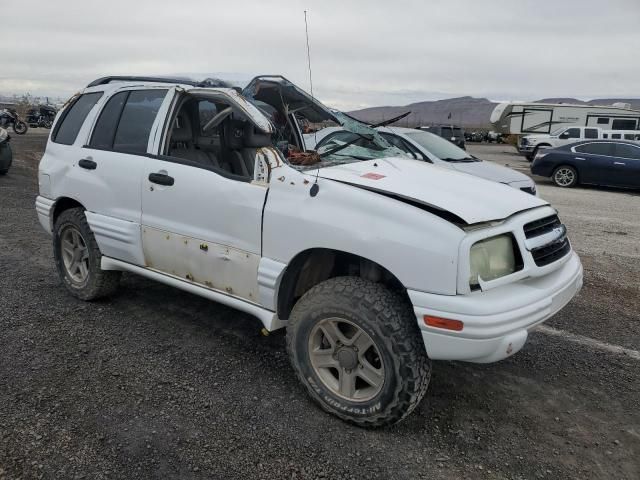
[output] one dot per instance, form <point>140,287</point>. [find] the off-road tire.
<point>99,283</point>
<point>390,322</point>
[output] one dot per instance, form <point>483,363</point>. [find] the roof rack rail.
<point>107,80</point>
<point>209,82</point>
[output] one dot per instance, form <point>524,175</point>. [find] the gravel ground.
<point>157,383</point>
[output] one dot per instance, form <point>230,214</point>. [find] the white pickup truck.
<point>375,263</point>
<point>529,145</point>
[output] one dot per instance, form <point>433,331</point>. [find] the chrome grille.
<point>542,226</point>
<point>558,245</point>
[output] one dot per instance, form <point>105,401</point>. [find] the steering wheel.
<point>217,119</point>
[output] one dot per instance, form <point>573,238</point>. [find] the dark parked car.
<point>597,162</point>
<point>6,155</point>
<point>454,134</point>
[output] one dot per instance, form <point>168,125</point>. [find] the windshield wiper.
<point>463,159</point>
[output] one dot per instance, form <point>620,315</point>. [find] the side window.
<point>616,136</point>
<point>572,133</point>
<point>627,151</point>
<point>603,121</point>
<point>629,136</point>
<point>136,120</point>
<point>105,130</point>
<point>596,148</point>
<point>590,133</point>
<point>605,135</point>
<point>69,125</point>
<point>623,124</point>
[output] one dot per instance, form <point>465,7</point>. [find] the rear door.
<point>626,165</point>
<point>112,164</point>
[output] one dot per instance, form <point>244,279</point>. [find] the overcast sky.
<point>363,53</point>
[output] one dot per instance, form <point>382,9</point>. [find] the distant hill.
<point>470,112</point>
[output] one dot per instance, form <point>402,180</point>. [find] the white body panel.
<point>463,195</point>
<point>521,118</point>
<point>409,242</point>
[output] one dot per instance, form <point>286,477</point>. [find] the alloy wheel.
<point>346,359</point>
<point>564,177</point>
<point>75,254</point>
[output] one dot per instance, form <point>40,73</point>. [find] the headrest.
<point>242,134</point>
<point>182,129</point>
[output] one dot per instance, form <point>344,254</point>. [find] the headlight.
<point>492,258</point>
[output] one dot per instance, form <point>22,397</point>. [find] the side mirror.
<point>564,135</point>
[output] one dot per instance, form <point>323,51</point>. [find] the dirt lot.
<point>156,383</point>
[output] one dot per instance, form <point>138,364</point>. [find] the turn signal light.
<point>445,323</point>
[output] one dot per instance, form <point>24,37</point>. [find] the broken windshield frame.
<point>288,99</point>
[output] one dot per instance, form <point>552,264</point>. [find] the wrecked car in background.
<point>374,262</point>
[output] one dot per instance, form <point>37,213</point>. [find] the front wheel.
<point>565,176</point>
<point>20,127</point>
<point>78,257</point>
<point>357,348</point>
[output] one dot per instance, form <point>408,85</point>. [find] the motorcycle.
<point>41,116</point>
<point>9,117</point>
<point>6,156</point>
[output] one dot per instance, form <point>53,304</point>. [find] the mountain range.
<point>470,112</point>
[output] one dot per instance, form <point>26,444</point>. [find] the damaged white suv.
<point>375,263</point>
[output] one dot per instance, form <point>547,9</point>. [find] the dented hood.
<point>471,199</point>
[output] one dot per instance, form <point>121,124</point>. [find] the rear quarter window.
<point>67,129</point>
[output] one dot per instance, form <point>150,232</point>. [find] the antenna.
<point>315,187</point>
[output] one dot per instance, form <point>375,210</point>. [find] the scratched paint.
<point>214,266</point>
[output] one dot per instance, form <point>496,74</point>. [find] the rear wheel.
<point>77,258</point>
<point>357,348</point>
<point>20,128</point>
<point>565,176</point>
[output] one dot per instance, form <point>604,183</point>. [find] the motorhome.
<point>521,118</point>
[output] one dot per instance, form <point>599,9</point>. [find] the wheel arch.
<point>315,265</point>
<point>62,204</point>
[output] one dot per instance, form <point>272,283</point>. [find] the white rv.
<point>522,118</point>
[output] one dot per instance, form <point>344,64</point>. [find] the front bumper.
<point>526,149</point>
<point>496,322</point>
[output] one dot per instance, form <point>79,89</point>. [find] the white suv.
<point>374,262</point>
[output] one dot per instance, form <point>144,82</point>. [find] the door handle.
<point>87,163</point>
<point>161,179</point>
<point>578,158</point>
<point>619,163</point>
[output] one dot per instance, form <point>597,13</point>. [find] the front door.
<point>201,199</point>
<point>203,227</point>
<point>594,162</point>
<point>626,165</point>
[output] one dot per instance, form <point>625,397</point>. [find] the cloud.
<point>363,53</point>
